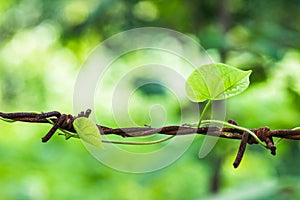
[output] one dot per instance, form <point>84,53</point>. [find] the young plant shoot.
<point>217,81</point>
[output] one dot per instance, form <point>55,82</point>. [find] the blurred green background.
<point>44,43</point>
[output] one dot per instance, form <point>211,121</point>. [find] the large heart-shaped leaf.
<point>216,81</point>
<point>88,131</point>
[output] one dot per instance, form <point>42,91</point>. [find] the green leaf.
<point>88,131</point>
<point>216,82</point>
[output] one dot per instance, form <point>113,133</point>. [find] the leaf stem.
<point>139,143</point>
<point>68,135</point>
<point>237,127</point>
<point>7,120</point>
<point>203,112</point>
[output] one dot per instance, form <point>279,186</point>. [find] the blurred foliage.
<point>43,44</point>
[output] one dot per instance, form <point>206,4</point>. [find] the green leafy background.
<point>44,43</point>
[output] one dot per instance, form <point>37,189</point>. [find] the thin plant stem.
<point>237,127</point>
<point>203,112</point>
<point>139,143</point>
<point>7,120</point>
<point>74,135</point>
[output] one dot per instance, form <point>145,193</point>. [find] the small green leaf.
<point>216,82</point>
<point>88,131</point>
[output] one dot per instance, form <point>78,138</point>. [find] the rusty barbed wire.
<point>65,122</point>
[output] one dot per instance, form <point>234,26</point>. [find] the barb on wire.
<point>64,122</point>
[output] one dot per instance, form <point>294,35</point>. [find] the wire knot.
<point>264,135</point>
<point>64,121</point>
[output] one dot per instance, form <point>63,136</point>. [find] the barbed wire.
<point>65,122</point>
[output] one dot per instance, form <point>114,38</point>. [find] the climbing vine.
<point>206,83</point>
